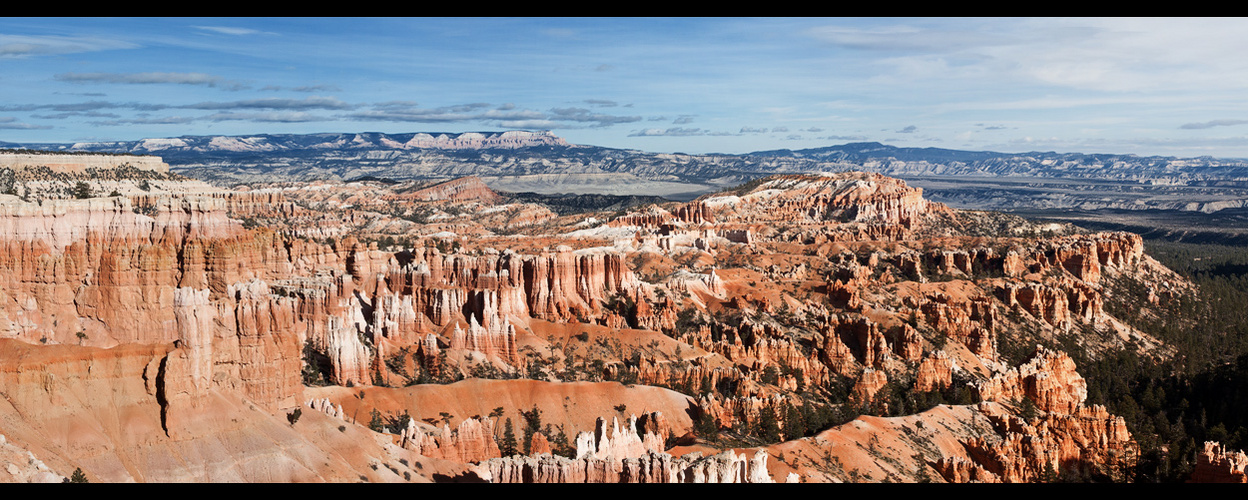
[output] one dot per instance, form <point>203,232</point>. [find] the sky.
<point>1155,86</point>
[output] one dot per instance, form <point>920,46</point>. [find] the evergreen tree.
<point>375,423</point>
<point>768,428</point>
<point>509,439</point>
<point>77,477</point>
<point>559,442</point>
<point>532,425</point>
<point>706,426</point>
<point>82,190</point>
<point>495,414</point>
<point>794,423</point>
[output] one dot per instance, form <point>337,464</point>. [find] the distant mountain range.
<point>313,142</point>
<point>542,161</point>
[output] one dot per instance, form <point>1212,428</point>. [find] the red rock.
<point>471,441</point>
<point>615,442</point>
<point>934,373</point>
<point>654,467</point>
<point>1216,464</point>
<point>461,189</point>
<point>1049,379</point>
<point>868,384</point>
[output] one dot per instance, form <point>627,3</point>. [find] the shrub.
<point>77,477</point>
<point>82,190</point>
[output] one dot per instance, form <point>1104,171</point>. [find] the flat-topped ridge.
<point>78,163</point>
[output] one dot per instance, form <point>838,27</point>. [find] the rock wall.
<point>653,467</point>
<point>461,189</point>
<point>471,441</point>
<point>485,140</point>
<point>1216,464</point>
<point>79,163</point>
<point>615,442</point>
<point>1049,380</point>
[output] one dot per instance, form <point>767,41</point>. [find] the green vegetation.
<point>532,425</point>
<point>23,151</point>
<point>375,422</point>
<point>82,190</point>
<point>315,367</point>
<point>508,444</point>
<point>1201,393</point>
<point>77,477</point>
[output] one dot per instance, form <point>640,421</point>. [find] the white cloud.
<point>230,30</point>
<point>24,46</point>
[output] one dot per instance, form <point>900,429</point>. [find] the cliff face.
<point>79,163</point>
<point>93,272</point>
<point>478,140</point>
<point>860,198</point>
<point>131,414</point>
<point>471,441</point>
<point>617,443</point>
<point>461,189</point>
<point>795,296</point>
<point>1216,464</point>
<point>652,467</point>
<point>1049,380</point>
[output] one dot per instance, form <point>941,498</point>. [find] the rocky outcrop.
<point>21,466</point>
<point>868,384</point>
<point>324,405</point>
<point>461,189</point>
<point>652,467</point>
<point>961,470</point>
<point>498,341</point>
<point>617,443</point>
<point>1084,255</point>
<point>729,411</point>
<point>1088,440</point>
<point>1064,435</point>
<point>970,321</point>
<point>1049,380</point>
<point>844,197</point>
<point>79,163</point>
<point>559,285</point>
<point>1216,464</point>
<point>935,372</point>
<point>694,375</point>
<point>511,139</point>
<point>850,342</point>
<point>1061,305</point>
<point>471,441</point>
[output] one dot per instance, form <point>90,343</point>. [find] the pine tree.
<point>768,428</point>
<point>78,477</point>
<point>495,414</point>
<point>532,425</point>
<point>82,190</point>
<point>794,424</point>
<point>375,423</point>
<point>706,426</point>
<point>509,439</point>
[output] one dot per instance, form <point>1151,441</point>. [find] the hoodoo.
<point>727,339</point>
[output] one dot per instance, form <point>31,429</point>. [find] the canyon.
<point>800,327</point>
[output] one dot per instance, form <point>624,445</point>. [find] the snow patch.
<point>159,144</point>
<point>604,231</point>
<point>240,144</point>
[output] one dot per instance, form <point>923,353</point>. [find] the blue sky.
<point>1145,86</point>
